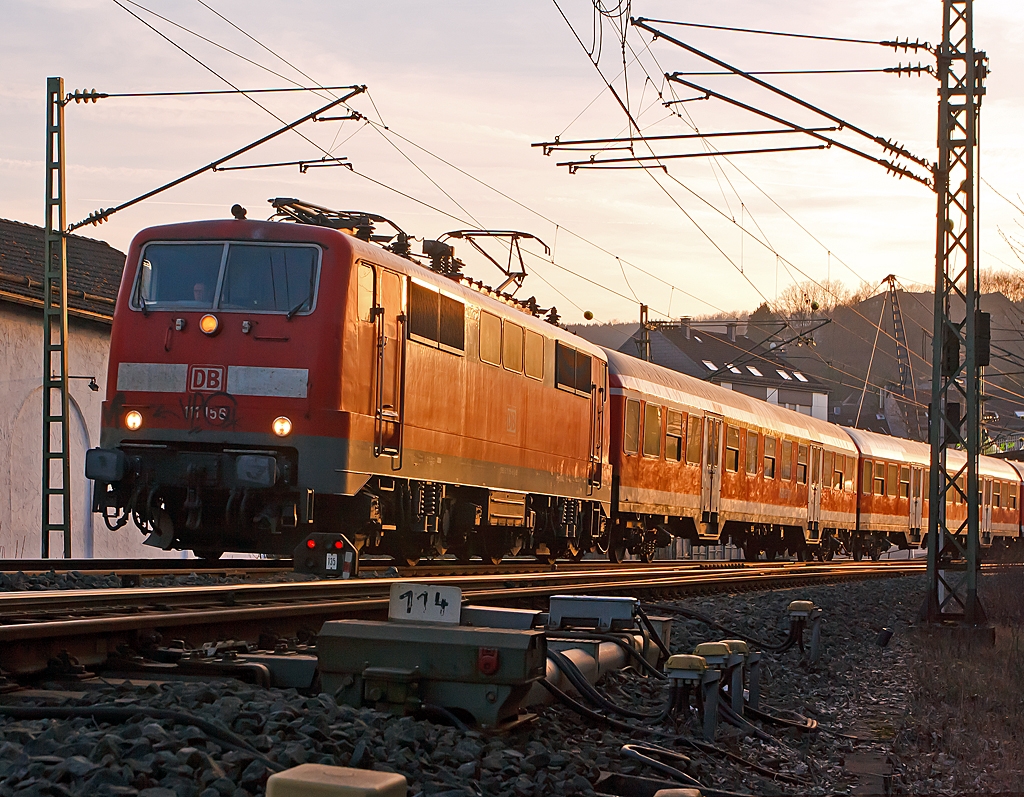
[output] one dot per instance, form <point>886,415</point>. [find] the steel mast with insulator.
<point>960,342</point>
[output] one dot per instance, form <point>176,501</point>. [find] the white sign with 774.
<point>423,603</point>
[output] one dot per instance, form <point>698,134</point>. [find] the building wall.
<point>21,407</point>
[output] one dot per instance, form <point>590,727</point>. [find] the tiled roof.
<point>94,270</point>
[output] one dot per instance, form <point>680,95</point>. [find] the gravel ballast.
<point>856,688</point>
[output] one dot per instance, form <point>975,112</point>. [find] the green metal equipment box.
<point>481,674</point>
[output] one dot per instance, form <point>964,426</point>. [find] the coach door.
<point>711,483</point>
<point>389,409</point>
<point>916,503</point>
<point>814,492</point>
<point>986,511</point>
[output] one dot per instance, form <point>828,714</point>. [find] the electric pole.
<point>56,462</point>
<point>953,546</point>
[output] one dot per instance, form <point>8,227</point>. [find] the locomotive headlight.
<point>282,426</point>
<point>133,420</point>
<point>209,324</point>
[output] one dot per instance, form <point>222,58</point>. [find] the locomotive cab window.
<point>572,369</point>
<point>732,449</point>
<point>674,436</point>
<point>751,453</point>
<point>534,360</point>
<point>694,439</point>
<point>631,432</point>
<point>245,277</point>
<point>769,457</point>
<point>490,338</point>
<point>364,292</point>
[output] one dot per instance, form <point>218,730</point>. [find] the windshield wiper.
<point>297,307</point>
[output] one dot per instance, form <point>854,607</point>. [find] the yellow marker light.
<point>209,324</point>
<point>133,420</point>
<point>282,426</point>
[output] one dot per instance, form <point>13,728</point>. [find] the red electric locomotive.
<point>268,380</point>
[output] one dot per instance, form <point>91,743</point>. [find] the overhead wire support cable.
<point>908,69</point>
<point>888,165</point>
<point>592,163</point>
<point>887,145</point>
<point>102,215</point>
<point>91,95</point>
<point>894,43</point>
<point>557,144</point>
<point>303,165</point>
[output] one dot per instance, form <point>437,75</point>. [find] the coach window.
<point>752,453</point>
<point>364,292</point>
<point>892,478</point>
<point>1013,496</point>
<point>631,434</point>
<point>694,439</point>
<point>787,461</point>
<point>490,338</point>
<point>838,477</point>
<point>652,430</point>
<point>879,478</point>
<point>534,359</point>
<point>866,476</point>
<point>904,481</point>
<point>769,457</point>
<point>732,448</point>
<point>512,347</point>
<point>801,465</point>
<point>826,468</point>
<point>673,436</point>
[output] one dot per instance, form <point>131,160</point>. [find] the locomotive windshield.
<point>261,278</point>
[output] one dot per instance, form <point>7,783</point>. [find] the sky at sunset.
<point>459,90</point>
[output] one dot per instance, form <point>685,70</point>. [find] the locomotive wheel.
<point>493,545</point>
<point>646,551</point>
<point>545,556</point>
<point>876,553</point>
<point>858,552</point>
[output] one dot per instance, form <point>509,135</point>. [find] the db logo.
<point>207,378</point>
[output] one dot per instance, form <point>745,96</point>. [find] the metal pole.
<point>56,462</point>
<point>953,548</point>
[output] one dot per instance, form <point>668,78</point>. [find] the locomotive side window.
<point>631,434</point>
<point>364,292</point>
<point>694,433</point>
<point>269,279</point>
<point>452,323</point>
<point>801,465</point>
<point>732,448</point>
<point>674,436</point>
<point>178,275</point>
<point>423,308</point>
<point>904,481</point>
<point>490,338</point>
<point>534,359</point>
<point>652,430</point>
<point>752,453</point>
<point>572,369</point>
<point>512,347</point>
<point>787,460</point>
<point>865,481</point>
<point>769,457</point>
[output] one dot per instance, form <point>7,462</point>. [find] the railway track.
<point>87,626</point>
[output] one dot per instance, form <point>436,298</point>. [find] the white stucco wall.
<point>21,403</point>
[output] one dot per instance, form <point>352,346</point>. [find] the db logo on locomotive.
<point>207,378</point>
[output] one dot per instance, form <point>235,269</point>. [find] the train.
<point>271,380</point>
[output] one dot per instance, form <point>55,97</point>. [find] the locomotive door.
<point>814,491</point>
<point>916,503</point>
<point>598,397</point>
<point>711,481</point>
<point>389,309</point>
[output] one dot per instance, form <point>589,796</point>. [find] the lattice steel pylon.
<point>56,460</point>
<point>953,547</point>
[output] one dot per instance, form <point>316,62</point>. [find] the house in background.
<point>94,276</point>
<point>718,352</point>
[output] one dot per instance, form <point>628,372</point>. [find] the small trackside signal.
<point>327,555</point>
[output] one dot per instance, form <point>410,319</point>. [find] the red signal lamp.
<point>311,544</point>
